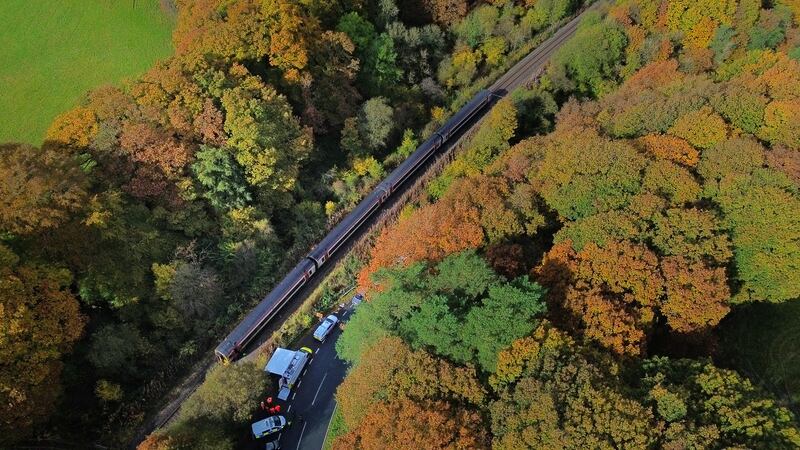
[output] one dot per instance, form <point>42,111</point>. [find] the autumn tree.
<point>583,173</point>
<point>40,321</point>
<point>430,233</point>
<point>389,370</point>
<point>491,139</point>
<point>696,295</point>
<point>671,148</point>
<point>412,425</point>
<point>702,128</point>
<point>39,188</point>
<point>718,406</point>
<point>565,397</point>
<point>229,394</point>
<point>266,139</point>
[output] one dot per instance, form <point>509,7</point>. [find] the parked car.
<point>268,426</point>
<point>325,328</point>
<point>357,299</point>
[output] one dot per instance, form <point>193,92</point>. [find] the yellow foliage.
<point>493,49</point>
<point>702,128</point>
<point>75,128</point>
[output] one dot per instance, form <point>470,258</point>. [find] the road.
<point>519,75</point>
<point>313,398</point>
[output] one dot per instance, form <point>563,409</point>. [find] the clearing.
<point>53,51</point>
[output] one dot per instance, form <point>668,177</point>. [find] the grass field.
<point>763,342</point>
<point>53,51</point>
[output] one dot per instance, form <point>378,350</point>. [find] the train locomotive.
<point>230,348</point>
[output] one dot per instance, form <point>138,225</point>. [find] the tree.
<point>587,62</point>
<point>780,123</point>
<point>196,289</point>
<point>670,148</point>
<point>411,425</point>
<point>696,295</point>
<point>193,434</point>
<point>613,292</point>
<point>506,314</point>
<point>763,214</point>
<point>380,65</point>
<point>40,321</point>
<point>491,139</point>
<point>429,233</point>
<point>446,12</point>
<point>466,322</point>
<point>222,179</point>
<point>693,234</point>
<point>702,128</point>
<point>566,397</point>
<point>117,350</point>
<point>389,370</point>
<point>75,128</point>
<point>359,30</point>
<point>266,139</point>
<point>39,189</point>
<point>735,412</point>
<point>583,174</point>
<point>375,122</point>
<point>228,394</point>
<point>671,181</point>
<point>526,418</point>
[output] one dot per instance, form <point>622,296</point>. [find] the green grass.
<point>53,51</point>
<point>763,342</point>
<point>336,428</point>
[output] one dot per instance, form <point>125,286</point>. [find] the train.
<point>233,345</point>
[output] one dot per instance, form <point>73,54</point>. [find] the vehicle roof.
<point>266,424</point>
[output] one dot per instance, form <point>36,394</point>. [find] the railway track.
<point>524,71</point>
<point>534,62</point>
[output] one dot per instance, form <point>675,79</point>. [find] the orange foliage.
<point>429,233</point>
<point>390,370</point>
<point>405,424</point>
<point>671,148</point>
<point>611,293</point>
<point>290,37</point>
<point>697,295</point>
<point>606,321</point>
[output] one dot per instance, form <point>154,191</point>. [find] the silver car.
<point>325,328</point>
<point>268,426</point>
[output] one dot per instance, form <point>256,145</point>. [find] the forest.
<point>157,212</point>
<point>595,269</point>
<point>575,279</point>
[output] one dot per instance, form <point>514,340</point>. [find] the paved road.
<point>313,397</point>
